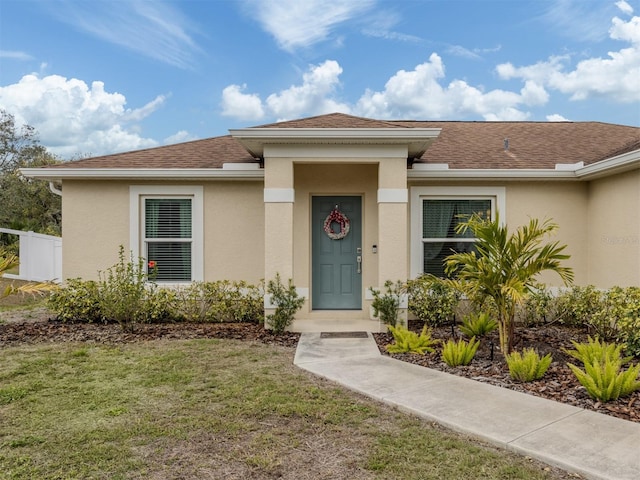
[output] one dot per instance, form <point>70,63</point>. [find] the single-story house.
<point>340,203</point>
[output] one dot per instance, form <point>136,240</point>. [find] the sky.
<point>95,77</point>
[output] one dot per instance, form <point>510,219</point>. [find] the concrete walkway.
<point>594,445</point>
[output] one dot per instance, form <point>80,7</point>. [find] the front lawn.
<point>211,408</point>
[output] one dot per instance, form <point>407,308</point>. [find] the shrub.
<point>385,305</point>
<point>538,307</point>
<point>222,301</point>
<point>596,351</point>
<point>459,353</point>
<point>577,305</point>
<point>287,302</point>
<point>605,381</point>
<point>159,305</point>
<point>527,366</point>
<point>629,321</point>
<point>77,301</point>
<point>122,291</point>
<point>477,325</point>
<point>432,299</point>
<point>407,341</point>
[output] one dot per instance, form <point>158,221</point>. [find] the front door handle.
<point>359,260</point>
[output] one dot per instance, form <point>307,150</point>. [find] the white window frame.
<point>137,194</point>
<point>497,195</point>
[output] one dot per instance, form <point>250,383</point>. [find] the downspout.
<point>55,190</point>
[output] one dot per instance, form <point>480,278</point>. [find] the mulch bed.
<point>558,384</point>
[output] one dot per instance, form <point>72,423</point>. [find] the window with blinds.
<point>168,239</point>
<point>440,217</point>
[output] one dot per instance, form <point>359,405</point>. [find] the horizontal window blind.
<point>171,260</point>
<point>167,218</point>
<point>440,219</point>
<point>168,238</point>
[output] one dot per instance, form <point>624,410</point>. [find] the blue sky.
<point>97,77</point>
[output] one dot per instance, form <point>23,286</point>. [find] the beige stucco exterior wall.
<point>335,179</point>
<point>614,230</point>
<point>96,223</point>
<point>234,231</point>
<point>563,202</point>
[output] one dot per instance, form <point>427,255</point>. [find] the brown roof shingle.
<point>468,145</point>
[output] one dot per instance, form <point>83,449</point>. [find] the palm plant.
<point>504,266</point>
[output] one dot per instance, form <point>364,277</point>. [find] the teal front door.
<point>336,262</point>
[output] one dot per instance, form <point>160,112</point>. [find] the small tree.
<point>506,266</point>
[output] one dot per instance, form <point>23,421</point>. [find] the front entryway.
<point>336,263</point>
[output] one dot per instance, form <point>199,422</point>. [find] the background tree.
<point>506,266</point>
<point>25,204</point>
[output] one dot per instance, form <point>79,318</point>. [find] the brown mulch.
<point>41,327</point>
<point>558,384</point>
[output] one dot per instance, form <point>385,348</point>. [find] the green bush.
<point>606,381</point>
<point>629,321</point>
<point>596,351</point>
<point>222,301</point>
<point>459,353</point>
<point>287,303</point>
<point>122,291</point>
<point>77,301</point>
<point>385,305</point>
<point>160,305</point>
<point>432,299</point>
<point>538,308</point>
<point>478,325</point>
<point>527,366</point>
<point>407,341</point>
<point>576,306</point>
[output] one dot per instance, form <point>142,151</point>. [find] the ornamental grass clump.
<point>528,366</point>
<point>410,342</point>
<point>478,325</point>
<point>459,353</point>
<point>603,377</point>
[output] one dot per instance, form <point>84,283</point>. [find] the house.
<point>340,203</point>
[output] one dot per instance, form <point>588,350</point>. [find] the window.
<point>168,237</point>
<point>166,231</point>
<point>435,214</point>
<point>440,219</point>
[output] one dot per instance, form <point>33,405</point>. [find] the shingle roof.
<point>468,145</point>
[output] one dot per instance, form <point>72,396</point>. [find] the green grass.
<point>212,409</point>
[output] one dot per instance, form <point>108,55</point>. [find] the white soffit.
<point>416,139</point>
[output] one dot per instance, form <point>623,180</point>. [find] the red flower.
<point>152,264</point>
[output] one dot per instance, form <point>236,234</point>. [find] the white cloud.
<point>299,24</point>
<point>154,29</point>
<point>419,94</point>
<point>179,137</point>
<point>556,118</point>
<point>614,76</point>
<point>240,105</point>
<point>313,97</point>
<point>73,118</point>
<point>15,55</point>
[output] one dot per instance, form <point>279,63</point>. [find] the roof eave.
<point>610,166</point>
<point>59,174</point>
<point>416,139</point>
<point>491,174</point>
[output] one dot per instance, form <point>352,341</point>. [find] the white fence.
<point>40,256</point>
